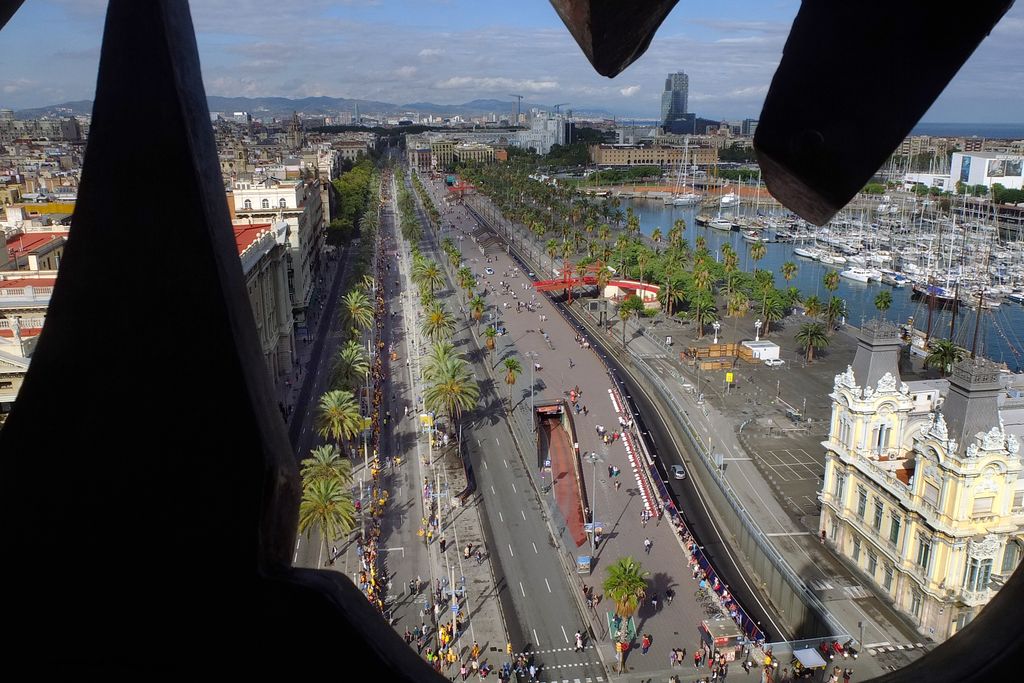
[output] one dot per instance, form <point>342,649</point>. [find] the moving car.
<point>678,472</point>
<point>489,271</point>
<point>774,362</point>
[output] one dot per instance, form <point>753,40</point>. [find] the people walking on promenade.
<point>647,545</point>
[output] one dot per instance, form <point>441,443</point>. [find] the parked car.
<point>678,472</point>
<point>774,362</point>
<point>489,271</point>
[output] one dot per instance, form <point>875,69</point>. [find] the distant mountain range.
<point>326,106</point>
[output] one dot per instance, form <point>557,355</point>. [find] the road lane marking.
<point>493,492</point>
<point>523,513</point>
<point>564,634</point>
<point>523,591</point>
<point>500,516</point>
<point>510,550</point>
<point>496,441</point>
<point>485,463</point>
<point>534,546</point>
<point>514,488</point>
<point>536,640</point>
<point>547,584</point>
<point>506,463</point>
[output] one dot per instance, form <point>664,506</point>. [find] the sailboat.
<point>682,198</point>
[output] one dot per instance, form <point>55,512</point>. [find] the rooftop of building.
<point>29,242</point>
<point>246,234</point>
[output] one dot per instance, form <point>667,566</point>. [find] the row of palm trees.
<point>327,502</point>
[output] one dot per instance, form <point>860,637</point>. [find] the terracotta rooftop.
<point>28,282</point>
<point>29,242</point>
<point>246,234</point>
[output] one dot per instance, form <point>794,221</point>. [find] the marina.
<point>939,270</point>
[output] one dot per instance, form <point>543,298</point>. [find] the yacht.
<point>686,199</point>
<point>1016,296</point>
<point>720,224</point>
<point>856,274</point>
<point>729,199</point>
<point>894,279</point>
<point>753,236</point>
<point>807,252</point>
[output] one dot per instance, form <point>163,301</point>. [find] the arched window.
<point>282,203</point>
<point>266,203</point>
<point>248,203</point>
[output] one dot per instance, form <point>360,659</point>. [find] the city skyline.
<point>453,52</point>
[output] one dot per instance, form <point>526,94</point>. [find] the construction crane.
<point>519,104</point>
<point>557,106</point>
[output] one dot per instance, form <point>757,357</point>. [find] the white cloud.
<point>430,54</point>
<point>629,91</point>
<point>496,83</point>
<point>406,71</point>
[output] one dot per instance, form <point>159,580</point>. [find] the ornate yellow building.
<point>922,488</point>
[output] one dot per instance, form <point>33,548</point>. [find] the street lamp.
<point>757,330</point>
<point>532,355</point>
<point>594,458</point>
<point>716,325</point>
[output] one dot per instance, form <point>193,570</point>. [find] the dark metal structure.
<point>147,489</point>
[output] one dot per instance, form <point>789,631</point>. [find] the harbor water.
<point>1002,328</point>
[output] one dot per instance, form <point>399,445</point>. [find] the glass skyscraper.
<point>674,99</point>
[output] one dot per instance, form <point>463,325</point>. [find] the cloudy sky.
<point>452,51</point>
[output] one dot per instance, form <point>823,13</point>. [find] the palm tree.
<point>791,296</point>
<point>737,305</point>
<point>834,309</point>
<point>339,416</point>
<point>326,505</point>
<point>439,323</point>
<point>453,392</point>
<point>812,306</point>
<point>702,310</point>
<point>883,301</point>
<point>512,370</point>
<point>630,305</point>
<point>489,334</point>
<point>758,250</point>
<point>943,355</point>
<point>476,309</point>
<point>428,274</point>
<point>642,258</point>
<point>702,279</point>
<point>356,311</point>
<point>326,462</point>
<point>656,235</point>
<point>626,585</point>
<point>350,365</point>
<point>440,354</point>
<point>812,336</point>
<point>551,247</point>
<point>831,280</point>
<point>773,310</point>
<point>788,271</point>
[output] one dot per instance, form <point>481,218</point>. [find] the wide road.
<point>527,566</point>
<point>688,498</point>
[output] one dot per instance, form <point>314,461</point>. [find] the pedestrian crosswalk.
<point>852,592</point>
<point>886,648</point>
<point>588,679</point>
<point>556,649</point>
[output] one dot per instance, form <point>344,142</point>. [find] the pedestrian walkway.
<point>536,333</point>
<point>715,432</point>
<point>461,585</point>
